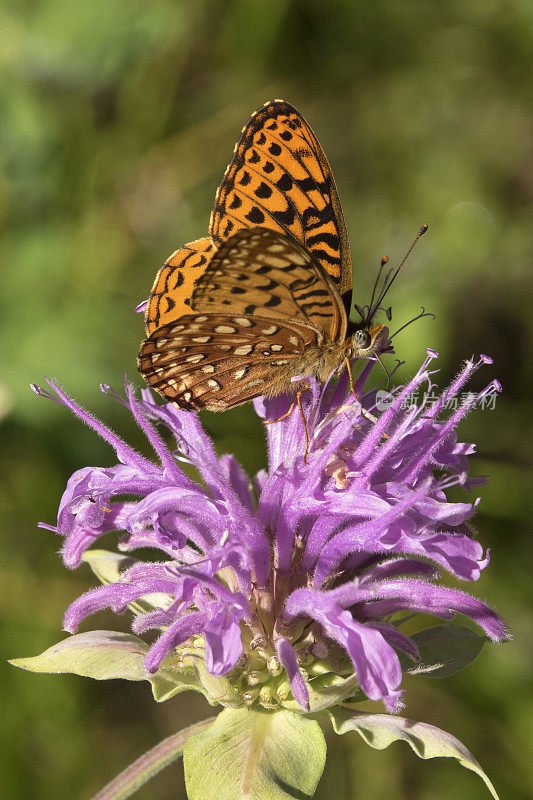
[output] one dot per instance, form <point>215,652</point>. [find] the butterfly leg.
<point>304,423</point>
<point>366,414</point>
<point>287,414</point>
<point>297,401</point>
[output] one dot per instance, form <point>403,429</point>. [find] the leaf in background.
<point>427,741</point>
<point>444,649</point>
<point>255,754</point>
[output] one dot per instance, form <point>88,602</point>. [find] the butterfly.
<point>263,301</point>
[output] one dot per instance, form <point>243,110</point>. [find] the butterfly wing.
<point>282,309</point>
<point>280,178</point>
<point>197,363</point>
<point>174,283</point>
<point>260,271</point>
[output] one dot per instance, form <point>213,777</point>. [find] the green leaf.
<point>380,730</point>
<point>444,649</point>
<point>255,755</point>
<point>108,568</point>
<point>149,764</point>
<point>104,655</point>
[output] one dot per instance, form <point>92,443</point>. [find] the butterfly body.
<point>259,305</point>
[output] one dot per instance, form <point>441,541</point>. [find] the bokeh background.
<point>118,118</point>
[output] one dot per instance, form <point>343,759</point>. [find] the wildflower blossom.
<point>295,583</point>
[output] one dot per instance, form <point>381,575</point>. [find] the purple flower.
<point>301,579</point>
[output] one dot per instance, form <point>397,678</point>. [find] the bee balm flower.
<point>290,590</point>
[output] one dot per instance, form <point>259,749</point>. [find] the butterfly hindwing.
<point>218,361</point>
<point>280,178</point>
<point>259,271</point>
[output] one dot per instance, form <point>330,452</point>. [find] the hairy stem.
<point>149,764</point>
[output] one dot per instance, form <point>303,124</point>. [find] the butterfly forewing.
<point>279,178</point>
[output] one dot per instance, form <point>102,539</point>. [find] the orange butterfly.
<point>265,298</point>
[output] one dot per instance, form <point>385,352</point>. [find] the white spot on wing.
<point>298,258</point>
<point>243,350</point>
<point>274,261</point>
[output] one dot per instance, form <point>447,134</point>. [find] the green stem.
<point>149,764</point>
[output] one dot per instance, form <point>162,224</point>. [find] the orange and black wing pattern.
<point>171,293</point>
<point>280,178</point>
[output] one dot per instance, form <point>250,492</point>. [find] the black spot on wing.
<point>255,215</point>
<point>284,183</point>
<point>284,218</point>
<point>313,293</point>
<point>263,191</point>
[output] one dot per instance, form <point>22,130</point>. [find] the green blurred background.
<point>117,120</point>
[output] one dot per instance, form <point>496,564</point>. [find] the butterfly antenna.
<point>388,280</point>
<point>423,313</point>
<point>384,261</point>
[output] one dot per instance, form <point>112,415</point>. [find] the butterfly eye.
<point>361,340</point>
